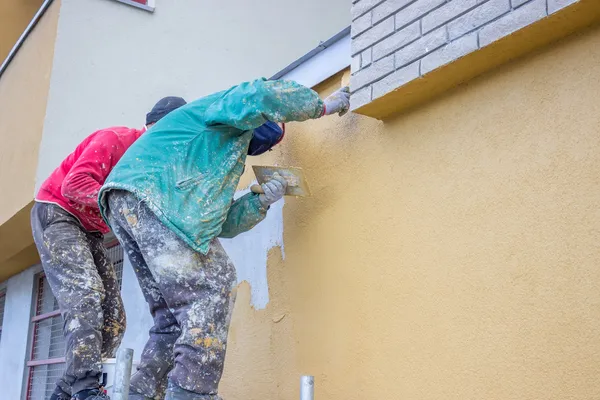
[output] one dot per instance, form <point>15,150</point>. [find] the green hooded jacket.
<point>186,168</point>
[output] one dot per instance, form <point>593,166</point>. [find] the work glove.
<point>338,102</point>
<point>274,190</point>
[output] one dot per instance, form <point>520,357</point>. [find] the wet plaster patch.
<point>249,251</point>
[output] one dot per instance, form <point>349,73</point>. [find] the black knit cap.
<point>163,107</point>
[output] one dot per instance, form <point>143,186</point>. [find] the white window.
<point>147,5</point>
<point>47,355</point>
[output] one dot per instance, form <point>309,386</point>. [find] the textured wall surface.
<point>23,94</point>
<point>447,254</point>
<point>397,41</point>
<point>15,15</point>
<point>24,90</point>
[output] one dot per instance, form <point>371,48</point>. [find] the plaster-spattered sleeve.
<point>84,180</point>
<point>249,105</point>
<point>244,214</point>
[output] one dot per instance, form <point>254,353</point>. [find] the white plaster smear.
<point>249,251</point>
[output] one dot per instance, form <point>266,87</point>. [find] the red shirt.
<point>75,184</point>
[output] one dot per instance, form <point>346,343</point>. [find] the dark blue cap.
<point>163,107</point>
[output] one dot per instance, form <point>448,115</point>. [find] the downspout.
<point>24,35</point>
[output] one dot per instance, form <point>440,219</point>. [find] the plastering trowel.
<point>297,184</point>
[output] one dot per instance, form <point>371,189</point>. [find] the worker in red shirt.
<point>69,234</point>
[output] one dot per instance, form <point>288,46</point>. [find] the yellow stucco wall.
<point>15,15</point>
<point>23,94</point>
<point>451,253</point>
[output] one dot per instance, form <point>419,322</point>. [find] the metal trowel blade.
<point>297,184</point>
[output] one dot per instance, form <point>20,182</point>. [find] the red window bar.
<point>115,253</point>
<point>47,362</point>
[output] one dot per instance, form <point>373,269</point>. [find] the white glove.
<point>274,190</point>
<point>338,102</point>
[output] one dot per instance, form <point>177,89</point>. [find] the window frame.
<point>110,244</point>
<point>35,320</point>
<point>149,6</point>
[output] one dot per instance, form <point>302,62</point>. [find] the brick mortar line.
<point>524,4</point>
<point>373,26</point>
<point>418,18</point>
<point>364,87</point>
<point>512,10</point>
<point>418,58</point>
<point>370,9</point>
<point>398,11</point>
<point>374,43</point>
<point>503,15</point>
<point>370,85</point>
<point>448,41</point>
<point>457,16</point>
<point>394,51</point>
<point>421,35</point>
<point>396,30</point>
<point>366,30</point>
<point>482,26</point>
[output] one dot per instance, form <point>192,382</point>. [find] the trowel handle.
<point>257,189</point>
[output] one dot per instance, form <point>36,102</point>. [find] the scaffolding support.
<point>307,387</point>
<point>122,374</point>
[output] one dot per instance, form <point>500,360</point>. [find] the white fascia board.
<point>322,65</point>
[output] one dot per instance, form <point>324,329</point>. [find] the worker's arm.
<point>84,180</point>
<point>249,105</point>
<point>244,214</point>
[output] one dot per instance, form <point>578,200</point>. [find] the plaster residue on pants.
<point>249,251</point>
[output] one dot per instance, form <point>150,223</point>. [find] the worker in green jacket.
<point>167,201</point>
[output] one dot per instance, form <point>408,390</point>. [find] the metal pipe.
<point>307,387</point>
<point>36,18</point>
<point>122,374</point>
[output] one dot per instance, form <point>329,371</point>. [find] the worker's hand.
<point>338,102</point>
<point>274,190</point>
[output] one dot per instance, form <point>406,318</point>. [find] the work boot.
<point>90,394</point>
<point>174,392</point>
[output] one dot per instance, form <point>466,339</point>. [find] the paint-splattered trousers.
<point>83,280</point>
<point>190,296</point>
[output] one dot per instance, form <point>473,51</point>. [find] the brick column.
<point>397,41</point>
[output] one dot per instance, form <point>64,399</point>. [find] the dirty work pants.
<point>84,282</point>
<point>190,296</point>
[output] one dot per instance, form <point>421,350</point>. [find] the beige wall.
<point>451,253</point>
<point>23,94</point>
<point>15,15</point>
